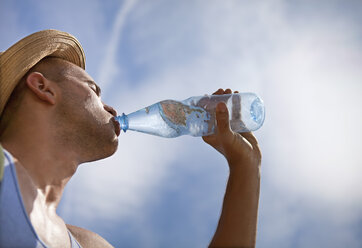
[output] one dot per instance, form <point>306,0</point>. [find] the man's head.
<point>64,102</point>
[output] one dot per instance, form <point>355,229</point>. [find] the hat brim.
<point>16,61</point>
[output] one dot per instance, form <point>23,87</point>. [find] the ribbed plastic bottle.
<point>195,116</point>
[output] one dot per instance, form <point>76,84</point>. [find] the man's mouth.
<point>117,127</point>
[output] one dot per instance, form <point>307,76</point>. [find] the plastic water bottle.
<point>195,116</point>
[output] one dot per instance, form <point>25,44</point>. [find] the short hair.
<point>55,73</point>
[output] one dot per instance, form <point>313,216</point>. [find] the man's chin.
<point>103,152</point>
<point>113,148</point>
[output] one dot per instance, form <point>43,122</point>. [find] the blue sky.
<point>303,58</point>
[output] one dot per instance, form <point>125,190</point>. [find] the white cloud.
<point>109,68</point>
<point>319,112</point>
<point>119,186</point>
<point>310,81</point>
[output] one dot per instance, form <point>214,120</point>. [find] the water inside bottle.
<point>184,119</point>
<point>167,119</point>
<point>257,111</point>
<point>195,116</point>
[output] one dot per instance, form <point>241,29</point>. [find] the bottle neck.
<point>123,122</point>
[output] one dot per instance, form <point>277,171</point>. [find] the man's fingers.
<point>221,91</point>
<point>218,92</point>
<point>222,118</point>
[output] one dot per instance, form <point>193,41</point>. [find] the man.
<point>52,119</point>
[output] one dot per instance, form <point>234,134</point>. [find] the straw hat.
<point>16,61</point>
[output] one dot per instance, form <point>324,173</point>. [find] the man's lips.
<point>117,127</point>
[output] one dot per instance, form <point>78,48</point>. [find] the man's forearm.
<point>238,220</point>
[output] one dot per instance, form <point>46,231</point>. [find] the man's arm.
<point>238,221</point>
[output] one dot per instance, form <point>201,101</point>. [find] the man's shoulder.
<point>87,238</point>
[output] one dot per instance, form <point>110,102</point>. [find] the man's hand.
<point>238,220</point>
<point>240,149</point>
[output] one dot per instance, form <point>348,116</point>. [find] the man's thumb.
<point>222,118</point>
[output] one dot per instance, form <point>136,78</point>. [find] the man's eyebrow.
<point>97,87</point>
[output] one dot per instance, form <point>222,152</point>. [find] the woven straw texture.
<point>16,61</point>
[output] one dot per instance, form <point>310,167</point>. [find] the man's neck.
<point>46,166</point>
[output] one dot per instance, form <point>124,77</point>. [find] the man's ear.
<point>41,87</point>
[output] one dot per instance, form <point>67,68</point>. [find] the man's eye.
<point>95,90</point>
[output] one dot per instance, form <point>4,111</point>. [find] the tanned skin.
<point>58,122</point>
<point>238,221</point>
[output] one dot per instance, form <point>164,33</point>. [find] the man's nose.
<point>109,109</point>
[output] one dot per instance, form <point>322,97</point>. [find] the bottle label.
<point>184,119</point>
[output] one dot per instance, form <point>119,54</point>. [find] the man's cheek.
<point>95,108</point>
<point>91,103</point>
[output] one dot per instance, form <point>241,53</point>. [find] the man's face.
<point>83,120</point>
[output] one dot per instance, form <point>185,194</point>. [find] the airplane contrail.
<point>108,66</point>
